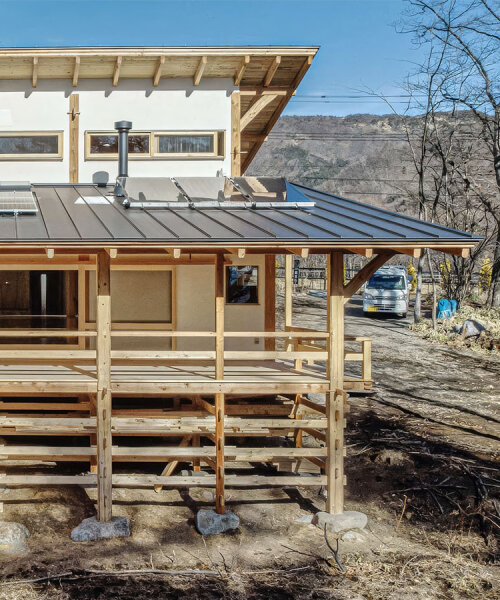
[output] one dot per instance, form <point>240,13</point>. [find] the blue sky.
<point>360,49</point>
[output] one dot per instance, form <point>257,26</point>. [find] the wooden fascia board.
<point>154,51</point>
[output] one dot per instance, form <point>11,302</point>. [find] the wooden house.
<point>137,263</point>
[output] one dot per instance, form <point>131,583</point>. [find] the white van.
<point>387,291</point>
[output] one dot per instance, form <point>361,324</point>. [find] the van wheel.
<point>403,315</point>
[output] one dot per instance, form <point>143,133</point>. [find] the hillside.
<point>365,157</point>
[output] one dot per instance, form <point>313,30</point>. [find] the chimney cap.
<point>123,125</point>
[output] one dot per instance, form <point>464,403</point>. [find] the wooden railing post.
<point>103,399</point>
<point>335,397</point>
<point>288,297</point>
<point>219,375</point>
<point>366,366</point>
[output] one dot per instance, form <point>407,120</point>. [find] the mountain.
<point>364,157</point>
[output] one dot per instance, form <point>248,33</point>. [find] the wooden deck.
<point>264,377</point>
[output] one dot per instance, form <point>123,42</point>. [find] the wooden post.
<point>270,300</point>
<point>103,400</point>
<point>74,122</point>
<point>235,134</point>
<point>335,397</point>
<point>219,374</point>
<point>288,297</point>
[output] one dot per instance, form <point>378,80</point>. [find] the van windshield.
<point>387,282</point>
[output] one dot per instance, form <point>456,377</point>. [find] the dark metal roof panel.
<point>73,213</point>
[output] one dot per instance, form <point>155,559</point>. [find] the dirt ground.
<point>422,463</point>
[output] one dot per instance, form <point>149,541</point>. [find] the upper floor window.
<point>98,144</point>
<point>103,145</point>
<point>31,145</point>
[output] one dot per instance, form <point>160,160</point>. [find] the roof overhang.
<point>267,76</point>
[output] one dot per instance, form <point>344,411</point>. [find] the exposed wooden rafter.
<point>116,70</point>
<point>241,70</point>
<point>76,71</point>
<point>272,71</point>
<point>157,75</point>
<point>199,70</point>
<point>34,77</point>
<point>255,109</point>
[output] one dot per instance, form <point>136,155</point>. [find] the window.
<point>174,143</point>
<point>242,285</point>
<point>105,145</point>
<point>157,145</point>
<point>43,145</point>
<point>387,282</point>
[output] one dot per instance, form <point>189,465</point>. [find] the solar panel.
<point>16,198</point>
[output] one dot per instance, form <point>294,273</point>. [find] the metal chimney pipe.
<point>123,127</point>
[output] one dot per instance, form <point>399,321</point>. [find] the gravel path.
<point>454,394</point>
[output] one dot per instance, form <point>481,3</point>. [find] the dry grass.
<point>444,334</point>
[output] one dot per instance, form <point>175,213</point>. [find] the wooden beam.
<point>335,397</point>
<point>76,71</point>
<point>271,71</point>
<point>413,252</point>
<point>199,70</point>
<point>241,70</point>
<point>235,134</point>
<point>116,70</point>
<point>103,400</point>
<point>270,300</point>
<point>219,375</point>
<point>158,70</point>
<point>302,252</point>
<point>74,135</point>
<point>34,76</point>
<point>365,273</point>
<point>255,109</point>
<point>367,252</point>
<point>172,465</point>
<point>279,109</point>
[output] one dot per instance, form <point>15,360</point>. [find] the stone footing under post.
<point>91,529</point>
<point>208,522</point>
<point>350,519</point>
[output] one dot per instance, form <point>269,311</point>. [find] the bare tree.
<point>465,35</point>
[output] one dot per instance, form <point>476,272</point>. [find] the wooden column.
<point>335,397</point>
<point>270,300</point>
<point>74,134</point>
<point>288,297</point>
<point>235,134</point>
<point>219,375</point>
<point>103,400</point>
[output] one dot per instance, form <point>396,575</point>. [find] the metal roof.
<point>85,214</point>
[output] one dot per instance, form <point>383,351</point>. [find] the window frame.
<point>219,153</point>
<point>114,155</point>
<point>25,157</point>
<point>226,287</point>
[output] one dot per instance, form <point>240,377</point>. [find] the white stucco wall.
<point>196,307</point>
<point>174,105</point>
